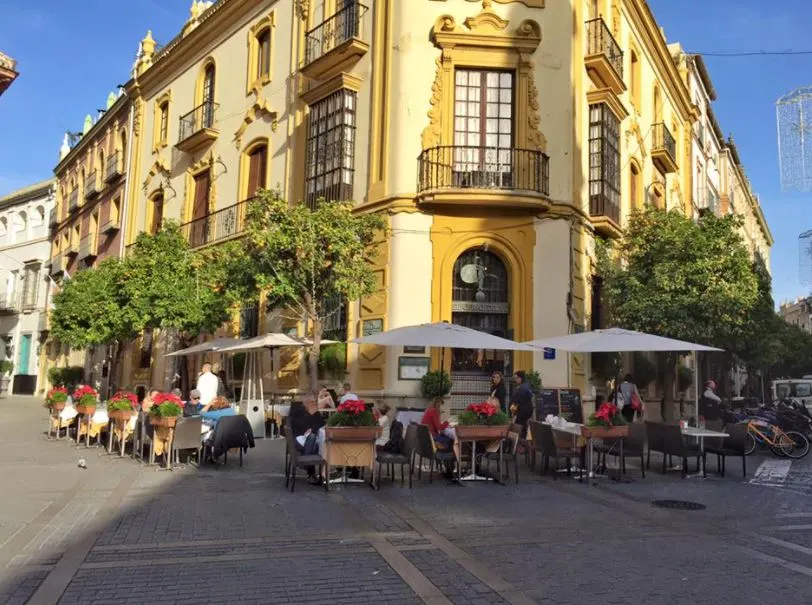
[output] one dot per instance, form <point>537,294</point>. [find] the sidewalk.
<point>122,532</point>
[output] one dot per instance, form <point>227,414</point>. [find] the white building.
<point>24,248</point>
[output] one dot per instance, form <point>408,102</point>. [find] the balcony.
<point>664,149</point>
<point>605,215</point>
<point>72,249</point>
<point>91,185</point>
<point>216,227</point>
<point>508,178</point>
<point>604,59</point>
<point>73,200</point>
<point>8,304</point>
<point>88,249</point>
<point>197,127</point>
<point>112,225</point>
<point>114,168</point>
<point>335,45</point>
<point>43,325</point>
<point>57,265</point>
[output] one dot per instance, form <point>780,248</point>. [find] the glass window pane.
<point>474,78</point>
<point>506,80</point>
<point>505,95</point>
<point>462,77</point>
<point>492,79</point>
<point>473,109</point>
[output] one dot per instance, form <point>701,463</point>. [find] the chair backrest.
<point>535,433</point>
<point>737,439</point>
<point>290,442</point>
<point>548,446</point>
<point>236,430</point>
<point>425,442</point>
<point>636,441</point>
<point>187,433</point>
<point>513,440</point>
<point>673,443</point>
<point>410,441</point>
<point>654,435</point>
<point>395,444</point>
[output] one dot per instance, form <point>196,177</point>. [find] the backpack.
<point>395,443</point>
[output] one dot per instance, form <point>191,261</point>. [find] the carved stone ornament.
<point>302,8</point>
<point>535,137</point>
<point>160,166</point>
<point>432,134</point>
<point>260,108</point>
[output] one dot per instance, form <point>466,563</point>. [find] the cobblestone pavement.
<point>122,532</point>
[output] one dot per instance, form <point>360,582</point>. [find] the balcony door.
<point>257,169</point>
<point>200,210</point>
<point>208,97</point>
<point>483,129</point>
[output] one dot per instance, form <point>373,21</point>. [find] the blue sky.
<point>71,54</point>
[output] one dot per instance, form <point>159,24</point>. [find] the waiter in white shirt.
<point>207,384</point>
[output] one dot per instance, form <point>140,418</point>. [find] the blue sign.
<point>549,353</point>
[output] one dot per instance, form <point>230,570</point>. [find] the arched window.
<point>635,187</point>
<point>39,216</point>
<point>634,78</point>
<point>208,95</point>
<point>257,165</point>
<point>263,59</point>
<point>156,212</point>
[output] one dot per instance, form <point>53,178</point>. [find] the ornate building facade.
<point>499,139</point>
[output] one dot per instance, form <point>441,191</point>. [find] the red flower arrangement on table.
<point>122,405</point>
<point>352,413</point>
<point>85,398</point>
<point>56,398</point>
<point>483,414</point>
<point>166,405</point>
<point>607,415</point>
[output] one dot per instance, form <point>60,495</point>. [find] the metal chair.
<point>187,437</point>
<point>734,445</point>
<point>544,440</point>
<point>511,455</point>
<point>402,459</point>
<point>294,460</point>
<point>426,448</point>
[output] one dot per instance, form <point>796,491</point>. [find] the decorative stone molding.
<point>261,107</point>
<point>159,166</point>
<point>302,8</point>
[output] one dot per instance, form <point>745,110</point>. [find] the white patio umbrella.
<point>442,334</point>
<point>270,340</point>
<point>216,344</point>
<point>618,340</point>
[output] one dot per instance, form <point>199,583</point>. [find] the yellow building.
<point>498,138</point>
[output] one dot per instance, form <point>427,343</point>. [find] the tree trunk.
<point>670,410</point>
<point>313,356</point>
<point>172,344</point>
<point>115,367</point>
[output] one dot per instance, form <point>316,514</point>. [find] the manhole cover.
<point>678,504</point>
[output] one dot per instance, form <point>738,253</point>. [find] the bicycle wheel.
<point>750,444</point>
<point>800,444</point>
<point>782,444</point>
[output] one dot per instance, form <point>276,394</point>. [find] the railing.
<point>73,200</point>
<point>664,140</point>
<point>87,247</point>
<point>456,167</point>
<point>202,116</point>
<point>57,265</point>
<point>112,169</point>
<point>344,25</point>
<point>601,41</point>
<point>91,184</point>
<point>7,302</point>
<point>111,224</point>
<point>217,226</point>
<point>601,205</point>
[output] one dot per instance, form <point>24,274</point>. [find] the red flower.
<point>83,390</point>
<point>352,407</point>
<point>132,398</point>
<point>605,412</point>
<point>483,409</point>
<point>167,398</point>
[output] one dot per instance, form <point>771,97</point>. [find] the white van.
<point>794,388</point>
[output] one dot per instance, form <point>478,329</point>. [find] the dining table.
<point>701,434</point>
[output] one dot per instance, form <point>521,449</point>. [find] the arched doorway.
<point>479,301</point>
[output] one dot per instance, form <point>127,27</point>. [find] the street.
<point>122,532</point>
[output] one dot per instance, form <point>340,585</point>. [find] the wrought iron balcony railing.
<point>457,167</point>
<point>664,140</point>
<point>216,226</point>
<point>91,185</point>
<point>114,167</point>
<point>600,41</point>
<point>88,247</point>
<point>341,27</point>
<point>73,200</point>
<point>201,117</point>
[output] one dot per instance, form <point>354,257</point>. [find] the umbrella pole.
<point>696,385</point>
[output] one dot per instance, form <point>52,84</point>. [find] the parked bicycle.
<point>791,444</point>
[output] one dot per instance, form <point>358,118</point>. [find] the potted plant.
<point>166,410</point>
<point>86,399</point>
<point>122,406</point>
<point>56,399</point>
<point>6,367</point>
<point>436,383</point>
<point>352,421</point>
<point>482,421</point>
<point>606,423</point>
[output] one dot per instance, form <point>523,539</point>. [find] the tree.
<point>93,308</point>
<point>174,289</point>
<point>301,259</point>
<point>682,279</point>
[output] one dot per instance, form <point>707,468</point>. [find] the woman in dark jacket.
<point>498,389</point>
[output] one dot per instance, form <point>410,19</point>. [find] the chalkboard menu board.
<point>559,402</point>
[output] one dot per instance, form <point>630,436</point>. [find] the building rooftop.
<point>26,193</point>
<point>8,71</point>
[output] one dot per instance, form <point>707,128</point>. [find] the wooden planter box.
<point>600,432</point>
<point>351,445</point>
<point>167,421</point>
<point>120,416</point>
<point>476,431</point>
<point>88,410</point>
<point>353,433</point>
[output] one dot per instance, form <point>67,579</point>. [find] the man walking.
<point>207,384</point>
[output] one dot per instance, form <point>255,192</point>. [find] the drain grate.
<point>678,504</point>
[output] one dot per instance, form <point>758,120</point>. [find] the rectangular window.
<point>199,234</point>
<point>330,162</point>
<point>249,321</point>
<point>335,319</point>
<point>257,169</point>
<point>483,128</point>
<point>163,132</point>
<point>30,287</point>
<point>264,53</point>
<point>604,162</point>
